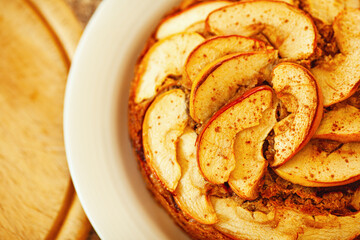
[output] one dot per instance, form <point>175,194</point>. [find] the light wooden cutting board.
<point>37,200</point>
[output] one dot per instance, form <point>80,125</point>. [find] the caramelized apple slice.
<point>250,163</point>
<point>215,144</point>
<point>332,227</point>
<point>237,222</point>
<point>240,223</point>
<point>327,10</point>
<point>215,48</point>
<point>288,29</point>
<point>314,167</point>
<point>341,124</point>
<point>298,90</point>
<point>180,22</point>
<point>164,58</point>
<point>164,122</point>
<point>190,193</point>
<point>219,81</point>
<point>339,77</point>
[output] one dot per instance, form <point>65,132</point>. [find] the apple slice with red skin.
<point>191,192</point>
<point>299,92</point>
<point>339,76</point>
<point>250,163</point>
<point>179,22</point>
<point>215,144</point>
<point>164,122</point>
<point>165,58</point>
<point>219,81</point>
<point>341,124</point>
<point>327,10</point>
<point>289,29</point>
<point>314,167</point>
<point>215,48</point>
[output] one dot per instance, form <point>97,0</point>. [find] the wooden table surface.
<point>38,39</point>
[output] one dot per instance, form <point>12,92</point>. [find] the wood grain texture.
<point>83,9</point>
<point>37,201</point>
<point>33,168</point>
<point>61,21</point>
<point>75,225</point>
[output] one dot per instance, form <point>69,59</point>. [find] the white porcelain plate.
<point>101,161</point>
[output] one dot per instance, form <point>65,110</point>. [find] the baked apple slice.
<point>250,163</point>
<point>289,29</point>
<point>341,124</point>
<point>240,223</point>
<point>215,144</point>
<point>339,77</point>
<point>296,87</point>
<point>281,223</point>
<point>181,21</point>
<point>219,81</point>
<point>314,167</point>
<point>215,48</point>
<point>164,122</point>
<point>327,10</point>
<point>165,58</point>
<point>190,193</point>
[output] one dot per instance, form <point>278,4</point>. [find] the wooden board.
<point>37,199</point>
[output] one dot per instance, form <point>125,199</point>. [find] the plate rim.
<point>81,124</point>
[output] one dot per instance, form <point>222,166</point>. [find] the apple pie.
<point>245,118</point>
